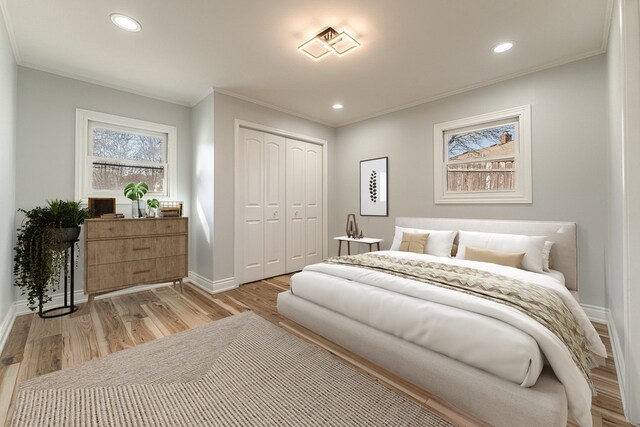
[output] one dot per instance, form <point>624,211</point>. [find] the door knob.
<point>275,214</point>
<point>296,214</point>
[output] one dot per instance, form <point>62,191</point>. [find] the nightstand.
<point>365,240</point>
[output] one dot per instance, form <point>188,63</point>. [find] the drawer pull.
<point>142,271</point>
<point>145,248</point>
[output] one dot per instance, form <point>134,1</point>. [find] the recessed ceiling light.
<point>125,22</point>
<point>502,47</point>
<point>337,106</point>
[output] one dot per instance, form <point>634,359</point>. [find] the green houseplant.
<point>153,205</point>
<point>135,192</point>
<point>39,254</point>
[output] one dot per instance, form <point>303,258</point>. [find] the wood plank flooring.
<point>38,346</point>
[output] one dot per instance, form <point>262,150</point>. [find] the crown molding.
<point>104,84</point>
<point>607,25</point>
<point>12,37</point>
<point>474,86</point>
<point>273,107</point>
<point>201,98</point>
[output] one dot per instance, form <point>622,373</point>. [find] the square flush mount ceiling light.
<point>328,41</point>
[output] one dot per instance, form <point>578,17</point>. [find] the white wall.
<point>201,247</point>
<point>227,109</point>
<point>614,261</point>
<point>46,135</point>
<point>8,99</point>
<point>569,133</point>
<point>622,286</point>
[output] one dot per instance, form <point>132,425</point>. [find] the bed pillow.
<point>414,242</point>
<point>509,259</point>
<point>439,242</point>
<point>531,246</point>
<point>546,256</point>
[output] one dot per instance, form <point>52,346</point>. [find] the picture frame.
<point>374,187</point>
<point>484,159</point>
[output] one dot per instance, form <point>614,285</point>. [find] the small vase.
<point>151,212</point>
<point>137,209</point>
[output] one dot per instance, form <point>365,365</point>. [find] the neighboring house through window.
<point>484,159</point>
<point>112,151</point>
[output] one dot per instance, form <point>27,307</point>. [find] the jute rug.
<point>239,371</point>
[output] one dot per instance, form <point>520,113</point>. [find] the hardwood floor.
<point>38,346</point>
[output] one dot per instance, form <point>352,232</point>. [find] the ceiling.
<point>412,50</point>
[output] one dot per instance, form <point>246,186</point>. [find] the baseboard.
<point>6,325</point>
<point>79,297</point>
<point>212,287</point>
<point>618,356</point>
<point>595,313</point>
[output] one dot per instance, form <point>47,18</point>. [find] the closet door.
<point>296,202</point>
<point>274,205</point>
<point>313,203</point>
<point>252,207</point>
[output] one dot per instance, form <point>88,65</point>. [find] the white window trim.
<point>523,190</point>
<point>84,117</point>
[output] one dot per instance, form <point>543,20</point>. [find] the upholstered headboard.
<point>564,234</point>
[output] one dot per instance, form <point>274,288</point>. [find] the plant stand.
<point>68,288</point>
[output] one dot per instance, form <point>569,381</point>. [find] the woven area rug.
<point>239,371</point>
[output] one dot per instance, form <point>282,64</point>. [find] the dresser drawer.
<point>101,278</point>
<point>105,229</point>
<point>132,249</point>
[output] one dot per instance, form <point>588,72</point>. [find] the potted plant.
<point>42,240</point>
<point>153,204</point>
<point>135,192</point>
<point>66,217</point>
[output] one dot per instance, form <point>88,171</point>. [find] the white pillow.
<point>531,246</point>
<point>439,242</point>
<point>546,252</point>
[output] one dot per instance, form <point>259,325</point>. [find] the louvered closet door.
<point>296,201</point>
<point>252,204</point>
<point>274,205</point>
<point>313,203</point>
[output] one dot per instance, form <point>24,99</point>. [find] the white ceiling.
<point>412,50</point>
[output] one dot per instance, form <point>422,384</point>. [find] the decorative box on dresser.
<point>122,253</point>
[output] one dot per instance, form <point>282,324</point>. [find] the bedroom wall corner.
<point>202,196</point>
<point>8,111</point>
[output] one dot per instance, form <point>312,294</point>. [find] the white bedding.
<point>481,333</point>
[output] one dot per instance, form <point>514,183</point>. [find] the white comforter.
<point>478,332</point>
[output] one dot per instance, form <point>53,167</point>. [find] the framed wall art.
<point>373,187</point>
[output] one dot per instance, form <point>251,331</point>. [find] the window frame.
<point>84,124</point>
<point>523,179</point>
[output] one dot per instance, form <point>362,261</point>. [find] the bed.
<point>444,341</point>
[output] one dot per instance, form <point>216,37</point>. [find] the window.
<point>112,151</point>
<point>484,159</point>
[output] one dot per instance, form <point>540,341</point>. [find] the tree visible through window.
<point>113,151</point>
<point>120,157</point>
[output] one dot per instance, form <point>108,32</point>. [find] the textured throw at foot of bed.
<point>239,371</point>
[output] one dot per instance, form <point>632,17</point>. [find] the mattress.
<point>491,345</point>
<point>483,334</point>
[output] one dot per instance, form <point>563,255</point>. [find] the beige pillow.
<point>510,259</point>
<point>414,242</point>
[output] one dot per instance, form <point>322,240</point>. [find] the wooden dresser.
<point>121,253</point>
